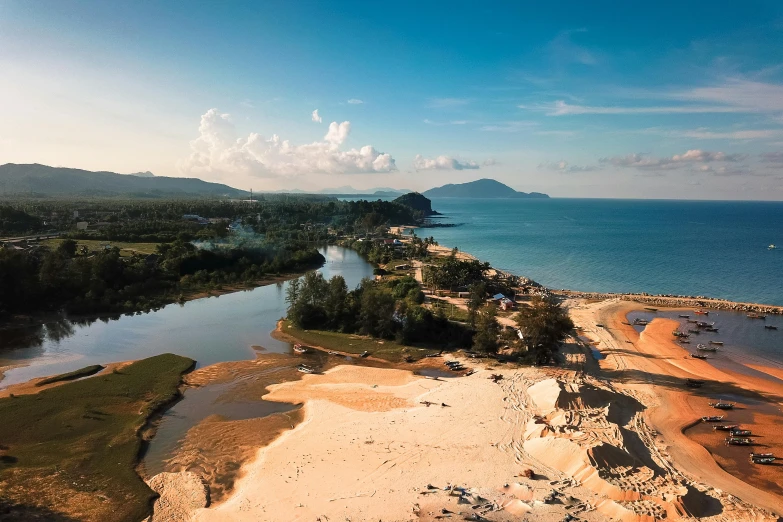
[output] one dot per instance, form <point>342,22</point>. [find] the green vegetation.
<point>17,222</point>
<point>71,376</point>
<point>72,449</point>
<point>453,273</point>
<point>380,252</point>
<point>416,201</point>
<point>355,344</point>
<point>544,325</point>
<point>93,245</point>
<point>104,282</point>
<point>388,310</point>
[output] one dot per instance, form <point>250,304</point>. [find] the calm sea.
<point>712,248</point>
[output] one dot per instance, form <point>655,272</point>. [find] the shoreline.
<point>650,363</point>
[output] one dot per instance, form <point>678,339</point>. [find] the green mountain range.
<point>41,180</point>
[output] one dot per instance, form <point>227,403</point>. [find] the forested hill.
<point>42,180</point>
<point>482,188</point>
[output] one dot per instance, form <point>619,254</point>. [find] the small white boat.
<point>705,348</point>
<point>305,369</point>
<point>300,348</point>
<point>772,247</point>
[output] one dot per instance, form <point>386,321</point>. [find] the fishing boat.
<point>694,321</point>
<point>725,427</point>
<point>300,348</point>
<point>741,433</point>
<point>711,329</point>
<point>760,455</point>
<point>712,418</point>
<point>694,331</point>
<point>694,383</point>
<point>684,341</point>
<point>772,247</point>
<point>738,441</point>
<point>641,322</point>
<point>754,315</point>
<point>698,356</point>
<point>332,352</point>
<point>770,327</point>
<point>305,369</point>
<point>716,343</point>
<point>677,333</point>
<point>705,348</point>
<point>701,312</point>
<point>722,405</point>
<point>762,460</point>
<point>365,353</point>
<point>650,309</point>
<point>703,324</point>
<point>684,316</point>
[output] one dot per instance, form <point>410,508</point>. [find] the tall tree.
<point>487,331</point>
<point>544,325</point>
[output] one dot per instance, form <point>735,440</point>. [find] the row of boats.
<point>737,435</point>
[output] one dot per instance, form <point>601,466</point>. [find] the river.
<point>209,330</point>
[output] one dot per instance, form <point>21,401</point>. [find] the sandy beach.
<point>613,438</point>
<point>385,444</point>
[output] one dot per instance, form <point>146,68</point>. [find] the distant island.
<point>418,202</point>
<point>482,188</point>
<point>42,180</point>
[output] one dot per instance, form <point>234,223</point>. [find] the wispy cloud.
<point>440,123</point>
<point>565,50</point>
<point>355,101</point>
<point>561,108</point>
<point>443,163</point>
<point>508,126</point>
<point>443,103</point>
<point>316,117</point>
<point>695,156</point>
<point>739,93</point>
<point>564,166</point>
<point>708,134</point>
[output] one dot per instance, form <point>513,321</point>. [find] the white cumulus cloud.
<point>218,150</point>
<point>442,163</point>
<point>316,117</point>
<point>355,101</point>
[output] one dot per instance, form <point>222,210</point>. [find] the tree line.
<point>386,310</point>
<point>63,279</point>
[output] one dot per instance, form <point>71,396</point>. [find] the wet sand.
<point>654,365</point>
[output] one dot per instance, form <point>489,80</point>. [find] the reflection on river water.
<point>209,330</point>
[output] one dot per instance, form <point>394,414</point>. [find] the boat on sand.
<point>720,405</point>
<point>712,418</point>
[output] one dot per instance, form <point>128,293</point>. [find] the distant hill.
<point>482,188</point>
<point>146,174</point>
<point>42,180</point>
<point>416,201</point>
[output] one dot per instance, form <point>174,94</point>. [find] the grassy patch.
<point>95,245</point>
<point>70,376</point>
<point>355,344</point>
<point>72,449</point>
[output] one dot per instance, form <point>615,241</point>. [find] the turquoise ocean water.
<point>712,248</point>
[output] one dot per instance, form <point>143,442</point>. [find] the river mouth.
<point>764,420</point>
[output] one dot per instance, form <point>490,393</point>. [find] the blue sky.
<point>577,99</point>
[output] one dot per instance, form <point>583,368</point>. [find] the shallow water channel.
<point>230,327</point>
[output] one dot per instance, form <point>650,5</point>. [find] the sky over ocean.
<point>601,99</point>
